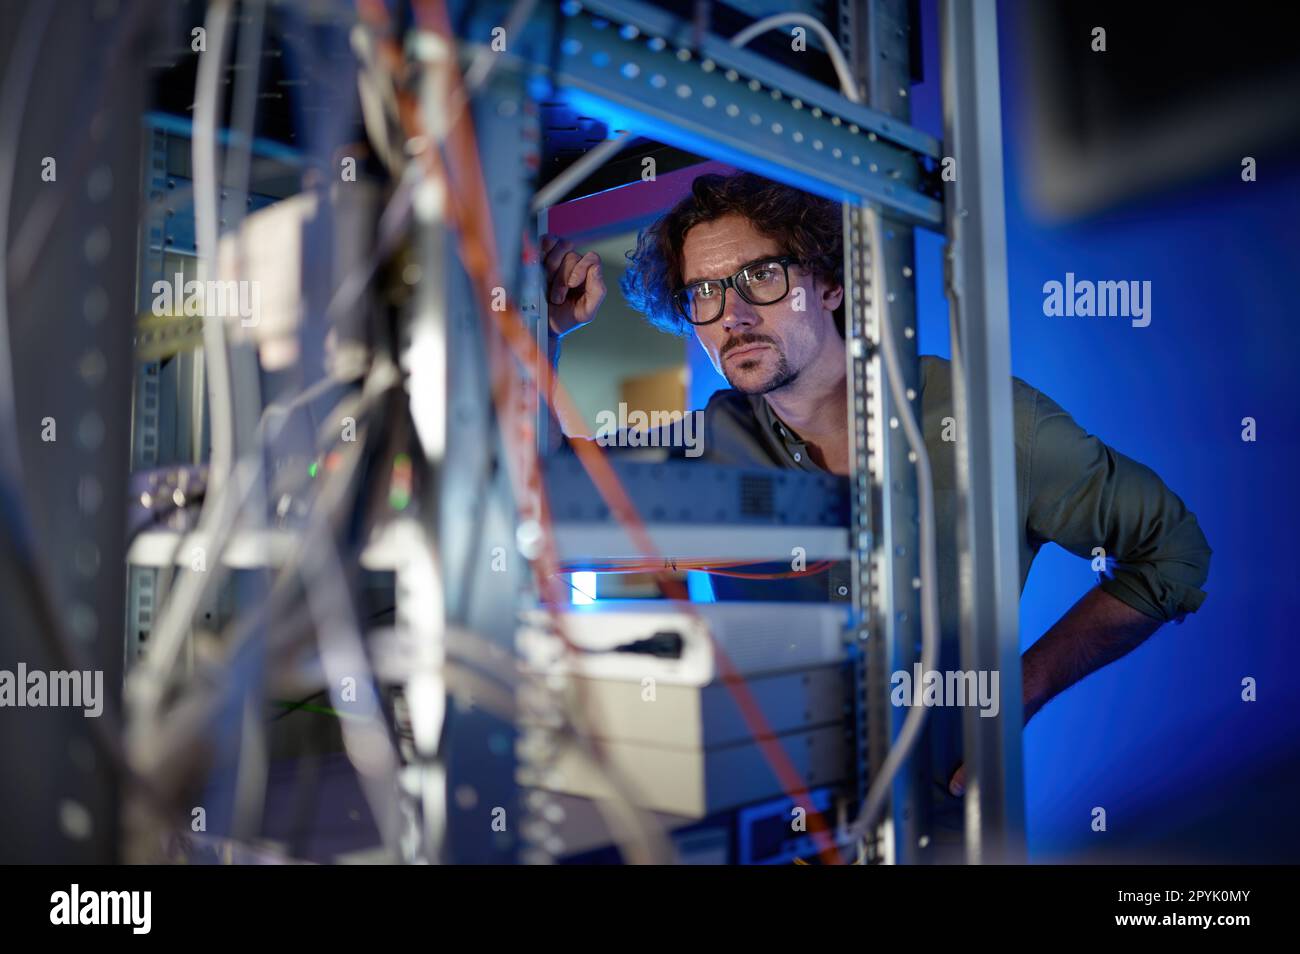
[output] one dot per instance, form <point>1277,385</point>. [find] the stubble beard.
<point>779,377</point>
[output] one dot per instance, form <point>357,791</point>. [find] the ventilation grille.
<point>756,496</point>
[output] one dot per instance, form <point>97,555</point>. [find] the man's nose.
<point>739,313</point>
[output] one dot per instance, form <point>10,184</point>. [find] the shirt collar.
<point>793,448</point>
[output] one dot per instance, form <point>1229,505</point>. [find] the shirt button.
<point>842,590</point>
<point>797,457</point>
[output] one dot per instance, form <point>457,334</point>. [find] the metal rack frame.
<point>641,68</point>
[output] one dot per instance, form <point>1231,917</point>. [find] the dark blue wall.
<point>1162,739</point>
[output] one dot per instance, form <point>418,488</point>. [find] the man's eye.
<point>761,274</point>
<point>705,290</point>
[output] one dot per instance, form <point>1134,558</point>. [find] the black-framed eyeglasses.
<point>764,281</point>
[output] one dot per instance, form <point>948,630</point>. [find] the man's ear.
<point>832,296</point>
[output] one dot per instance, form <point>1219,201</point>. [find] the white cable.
<point>378,100</point>
<point>559,187</point>
<point>146,683</point>
<point>343,659</point>
<point>224,504</point>
<point>847,86</point>
<point>207,189</point>
<point>251,770</point>
<point>229,498</point>
<point>911,729</point>
<point>570,177</point>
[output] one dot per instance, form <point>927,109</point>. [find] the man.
<point>753,269</point>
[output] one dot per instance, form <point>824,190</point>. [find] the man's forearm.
<point>1095,631</point>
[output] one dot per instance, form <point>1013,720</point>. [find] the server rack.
<point>662,76</point>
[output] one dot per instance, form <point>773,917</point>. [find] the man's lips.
<point>747,349</point>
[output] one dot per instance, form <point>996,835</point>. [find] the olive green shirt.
<point>1071,489</point>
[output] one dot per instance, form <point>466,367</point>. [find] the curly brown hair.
<point>806,226</point>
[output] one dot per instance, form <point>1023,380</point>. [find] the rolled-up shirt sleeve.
<point>1083,494</point>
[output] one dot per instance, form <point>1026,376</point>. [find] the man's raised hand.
<point>575,285</point>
